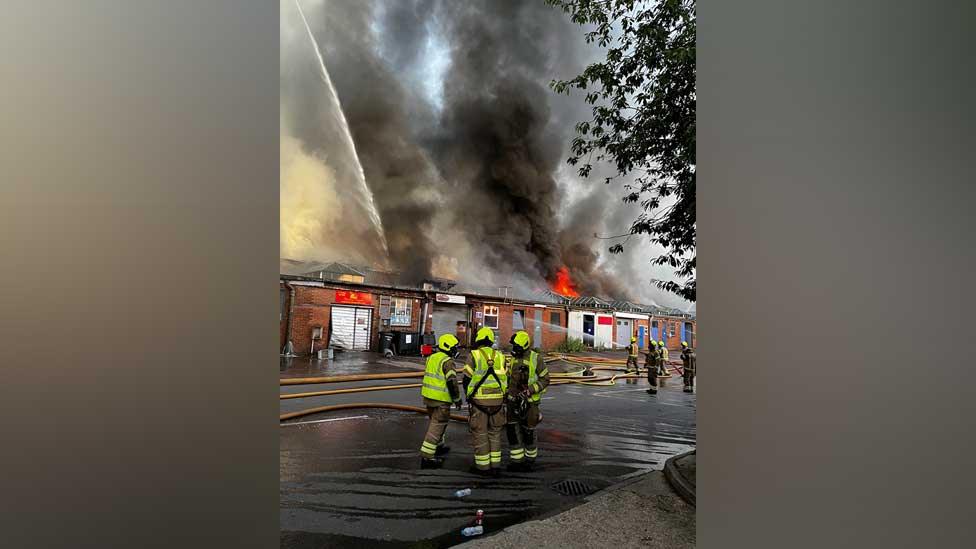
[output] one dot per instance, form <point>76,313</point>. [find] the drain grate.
<point>571,487</point>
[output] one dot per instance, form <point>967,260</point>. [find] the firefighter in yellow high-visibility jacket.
<point>485,382</point>
<point>632,357</point>
<point>439,391</point>
<point>528,378</point>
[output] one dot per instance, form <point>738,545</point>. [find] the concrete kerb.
<point>609,510</point>
<point>682,485</point>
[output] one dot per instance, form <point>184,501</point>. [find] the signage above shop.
<point>353,298</point>
<point>447,298</point>
<point>605,320</point>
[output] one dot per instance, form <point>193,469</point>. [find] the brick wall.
<point>310,309</point>
<point>673,340</point>
<point>551,336</point>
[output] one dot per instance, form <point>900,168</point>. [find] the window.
<point>554,319</point>
<point>518,319</point>
<point>355,279</point>
<point>400,312</point>
<point>491,316</point>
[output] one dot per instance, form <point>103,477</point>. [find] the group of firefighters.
<point>656,360</point>
<point>503,393</point>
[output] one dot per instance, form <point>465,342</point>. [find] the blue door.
<point>683,337</point>
<point>654,331</point>
<point>640,337</point>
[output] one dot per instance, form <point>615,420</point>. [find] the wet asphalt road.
<point>352,477</point>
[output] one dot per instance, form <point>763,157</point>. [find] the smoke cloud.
<point>463,145</point>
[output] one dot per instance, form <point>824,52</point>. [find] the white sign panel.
<point>447,298</point>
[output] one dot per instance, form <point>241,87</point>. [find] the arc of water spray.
<point>371,205</point>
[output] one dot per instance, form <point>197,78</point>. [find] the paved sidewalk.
<point>644,512</point>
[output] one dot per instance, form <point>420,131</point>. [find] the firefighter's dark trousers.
<point>632,363</point>
<point>486,423</point>
<point>689,375</point>
<point>651,372</point>
<point>440,416</point>
<point>521,434</point>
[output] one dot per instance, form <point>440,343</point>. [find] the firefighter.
<point>528,378</point>
<point>439,391</point>
<point>485,383</point>
<point>688,360</point>
<point>650,363</point>
<point>662,361</point>
<point>632,356</point>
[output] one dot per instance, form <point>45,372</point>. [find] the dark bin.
<point>405,347</point>
<point>387,342</point>
<point>429,339</point>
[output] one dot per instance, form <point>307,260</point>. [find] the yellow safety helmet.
<point>633,339</point>
<point>485,333</point>
<point>521,341</point>
<point>684,343</point>
<point>653,343</point>
<point>661,343</point>
<point>447,343</point>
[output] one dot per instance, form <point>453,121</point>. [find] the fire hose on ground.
<point>558,378</point>
<point>353,405</point>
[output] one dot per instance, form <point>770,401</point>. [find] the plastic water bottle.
<point>478,528</point>
<point>462,493</point>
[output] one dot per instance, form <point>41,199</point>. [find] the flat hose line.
<point>356,405</point>
<point>352,390</point>
<point>559,379</point>
<point>604,382</point>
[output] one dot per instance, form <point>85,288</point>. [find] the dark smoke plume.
<point>501,142</point>
<point>485,159</point>
<point>495,146</point>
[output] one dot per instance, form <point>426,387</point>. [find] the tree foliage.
<point>643,118</point>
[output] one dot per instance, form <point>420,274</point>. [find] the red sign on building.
<point>353,298</point>
<point>605,320</point>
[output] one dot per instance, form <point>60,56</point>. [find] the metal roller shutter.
<point>446,318</point>
<point>351,328</point>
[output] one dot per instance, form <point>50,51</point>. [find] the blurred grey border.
<point>836,200</point>
<point>138,205</point>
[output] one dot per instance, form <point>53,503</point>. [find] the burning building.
<point>454,163</point>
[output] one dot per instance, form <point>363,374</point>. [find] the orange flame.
<point>564,285</point>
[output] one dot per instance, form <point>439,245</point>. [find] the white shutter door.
<point>343,323</point>
<point>623,332</point>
